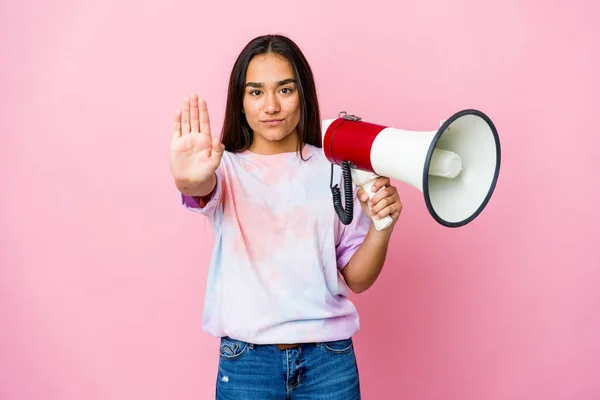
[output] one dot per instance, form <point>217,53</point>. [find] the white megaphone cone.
<point>455,167</point>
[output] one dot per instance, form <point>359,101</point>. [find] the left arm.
<point>366,263</point>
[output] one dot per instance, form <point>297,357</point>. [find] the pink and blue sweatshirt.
<point>279,247</point>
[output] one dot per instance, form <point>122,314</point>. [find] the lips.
<point>272,122</point>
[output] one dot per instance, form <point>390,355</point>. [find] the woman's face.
<point>272,104</point>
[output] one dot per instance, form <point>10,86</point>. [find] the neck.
<point>289,144</point>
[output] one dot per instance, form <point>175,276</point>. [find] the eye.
<point>254,92</point>
<point>287,90</point>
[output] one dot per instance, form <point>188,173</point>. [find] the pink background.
<point>102,272</point>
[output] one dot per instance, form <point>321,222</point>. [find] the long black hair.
<point>236,134</point>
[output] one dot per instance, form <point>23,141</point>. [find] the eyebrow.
<point>280,83</point>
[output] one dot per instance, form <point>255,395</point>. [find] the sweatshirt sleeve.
<point>213,203</point>
<point>350,237</point>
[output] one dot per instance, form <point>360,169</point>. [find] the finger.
<point>380,182</point>
<point>185,117</point>
<point>384,193</point>
<point>396,214</point>
<point>367,210</point>
<point>194,120</point>
<point>384,203</point>
<point>393,210</point>
<point>204,119</point>
<point>177,124</point>
<point>398,209</point>
<point>362,195</point>
<point>381,204</point>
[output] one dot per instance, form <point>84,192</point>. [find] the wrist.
<point>383,235</point>
<point>197,189</point>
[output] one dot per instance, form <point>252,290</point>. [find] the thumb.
<point>217,149</point>
<point>363,197</point>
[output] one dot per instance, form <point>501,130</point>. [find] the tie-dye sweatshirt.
<point>278,249</point>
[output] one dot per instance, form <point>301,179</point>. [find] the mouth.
<point>272,122</point>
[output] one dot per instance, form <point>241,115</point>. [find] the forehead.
<point>269,68</point>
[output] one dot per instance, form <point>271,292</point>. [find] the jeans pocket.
<point>338,346</point>
<point>232,349</point>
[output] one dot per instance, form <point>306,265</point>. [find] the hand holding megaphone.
<point>365,180</point>
<point>456,167</point>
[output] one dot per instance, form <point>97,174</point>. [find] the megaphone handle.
<point>382,223</point>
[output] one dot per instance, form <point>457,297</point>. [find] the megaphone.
<point>456,167</point>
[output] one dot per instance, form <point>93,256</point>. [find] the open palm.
<point>194,155</point>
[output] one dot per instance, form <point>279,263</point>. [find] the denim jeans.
<point>319,371</point>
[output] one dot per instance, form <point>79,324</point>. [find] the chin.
<point>274,136</point>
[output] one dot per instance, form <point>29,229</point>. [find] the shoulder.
<point>316,157</point>
<point>230,159</point>
<point>314,153</point>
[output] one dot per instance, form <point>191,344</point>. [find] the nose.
<point>271,105</point>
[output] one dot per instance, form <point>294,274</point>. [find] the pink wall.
<point>102,273</point>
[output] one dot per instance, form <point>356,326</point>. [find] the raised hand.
<point>194,155</point>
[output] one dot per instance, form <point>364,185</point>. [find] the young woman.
<point>282,264</point>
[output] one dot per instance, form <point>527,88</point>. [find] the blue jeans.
<point>319,371</point>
